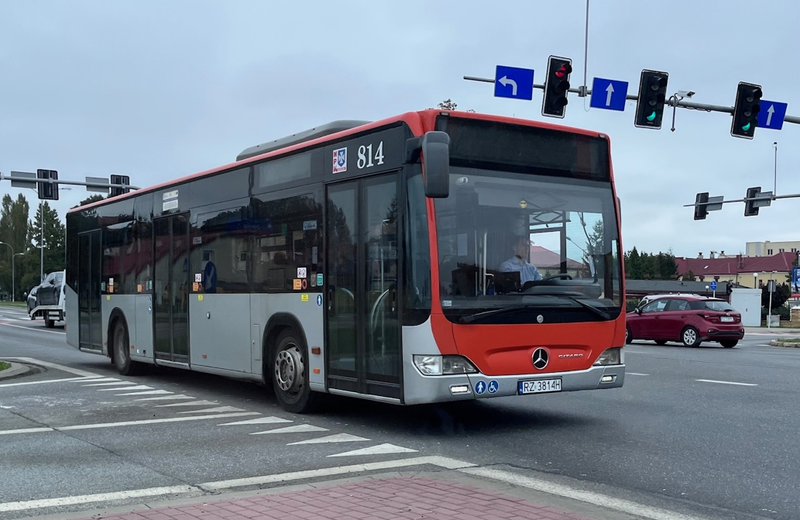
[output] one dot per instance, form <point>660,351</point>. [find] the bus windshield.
<point>522,240</point>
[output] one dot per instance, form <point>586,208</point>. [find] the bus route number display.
<point>366,159</point>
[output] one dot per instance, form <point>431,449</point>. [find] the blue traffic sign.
<point>713,285</point>
<point>771,114</point>
<point>512,82</point>
<point>609,94</point>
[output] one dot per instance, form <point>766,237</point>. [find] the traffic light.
<point>556,86</point>
<point>745,111</point>
<point>651,99</point>
<point>119,179</point>
<point>701,212</point>
<point>750,207</point>
<point>47,191</point>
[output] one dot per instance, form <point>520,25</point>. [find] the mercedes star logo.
<point>540,358</point>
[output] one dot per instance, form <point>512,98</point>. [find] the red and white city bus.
<point>368,260</point>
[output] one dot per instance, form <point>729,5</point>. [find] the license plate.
<point>539,386</point>
<point>726,318</point>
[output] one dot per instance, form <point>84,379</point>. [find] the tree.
<point>13,231</point>
<point>642,266</point>
<point>688,276</point>
<point>88,200</point>
<point>779,297</point>
<point>53,241</point>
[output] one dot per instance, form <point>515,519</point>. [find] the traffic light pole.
<point>672,101</point>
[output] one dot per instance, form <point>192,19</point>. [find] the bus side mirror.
<point>434,149</point>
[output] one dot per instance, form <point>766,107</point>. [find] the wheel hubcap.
<point>689,336</point>
<point>289,369</point>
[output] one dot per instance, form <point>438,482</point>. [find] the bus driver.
<point>519,262</point>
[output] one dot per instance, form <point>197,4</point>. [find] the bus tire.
<point>628,336</point>
<point>122,351</point>
<point>290,373</point>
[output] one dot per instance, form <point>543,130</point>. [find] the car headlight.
<point>611,356</point>
<point>443,365</point>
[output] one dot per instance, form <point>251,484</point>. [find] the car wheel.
<point>661,342</point>
<point>729,343</point>
<point>690,337</point>
<point>122,351</point>
<point>290,374</point>
<point>628,336</point>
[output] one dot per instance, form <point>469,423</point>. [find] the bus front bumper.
<point>479,386</point>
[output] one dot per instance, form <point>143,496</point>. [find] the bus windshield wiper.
<point>600,312</point>
<point>469,318</point>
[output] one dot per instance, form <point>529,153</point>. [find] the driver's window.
<point>656,306</point>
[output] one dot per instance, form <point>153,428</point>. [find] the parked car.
<point>32,301</point>
<point>688,319</point>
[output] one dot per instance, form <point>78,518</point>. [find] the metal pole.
<point>41,242</point>
<point>775,178</point>
<point>585,52</point>
<point>769,312</point>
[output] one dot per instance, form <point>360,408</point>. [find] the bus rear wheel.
<point>290,374</point>
<point>122,351</point>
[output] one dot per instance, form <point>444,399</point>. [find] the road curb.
<point>17,369</point>
<point>786,344</point>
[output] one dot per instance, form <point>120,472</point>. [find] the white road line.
<point>219,409</point>
<point>443,462</point>
<point>193,403</point>
<point>625,506</point>
<point>99,379</point>
<point>137,387</point>
<point>76,371</point>
<point>116,383</point>
<point>381,449</point>
<point>149,392</point>
<point>155,421</point>
<point>25,430</point>
<point>46,381</point>
<point>260,420</point>
<point>339,437</point>
<point>166,398</point>
<point>725,382</point>
<point>129,423</point>
<point>300,428</point>
<point>31,328</point>
<point>99,497</point>
<point>635,374</point>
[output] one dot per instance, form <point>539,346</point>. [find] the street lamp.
<point>13,283</point>
<point>755,280</point>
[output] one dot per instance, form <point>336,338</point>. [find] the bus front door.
<point>171,289</point>
<point>90,317</point>
<point>363,328</point>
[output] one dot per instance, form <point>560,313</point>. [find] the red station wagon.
<point>689,319</point>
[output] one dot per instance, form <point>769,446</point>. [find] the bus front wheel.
<point>122,351</point>
<point>290,374</point>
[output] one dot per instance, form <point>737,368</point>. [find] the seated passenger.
<point>519,262</point>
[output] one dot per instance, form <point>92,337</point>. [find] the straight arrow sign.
<point>616,93</point>
<point>771,114</point>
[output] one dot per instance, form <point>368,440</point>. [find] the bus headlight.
<point>443,365</point>
<point>611,356</point>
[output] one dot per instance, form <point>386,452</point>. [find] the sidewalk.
<point>427,496</point>
<point>773,330</point>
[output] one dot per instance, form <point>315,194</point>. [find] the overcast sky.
<point>161,89</point>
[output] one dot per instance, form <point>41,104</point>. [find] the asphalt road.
<point>705,431</point>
